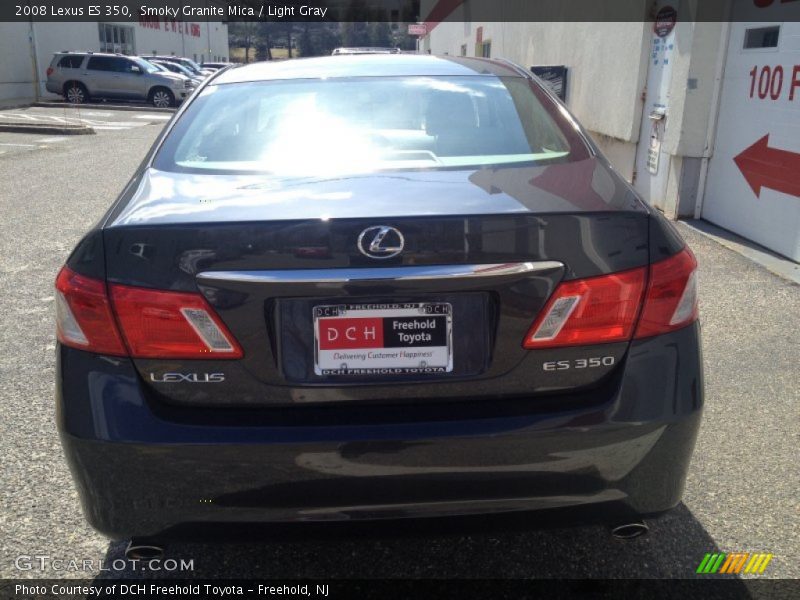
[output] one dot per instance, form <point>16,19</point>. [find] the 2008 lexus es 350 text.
<point>370,287</point>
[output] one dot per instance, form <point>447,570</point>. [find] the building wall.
<point>695,76</point>
<point>16,76</point>
<point>688,137</point>
<point>753,178</point>
<point>197,40</point>
<point>609,68</point>
<point>606,69</point>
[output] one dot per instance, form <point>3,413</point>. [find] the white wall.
<point>752,186</point>
<point>606,76</point>
<point>16,76</point>
<point>212,40</point>
<point>694,73</point>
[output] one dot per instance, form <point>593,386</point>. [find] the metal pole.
<point>708,151</point>
<point>34,60</point>
<point>208,30</point>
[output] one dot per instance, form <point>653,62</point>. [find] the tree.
<point>355,34</point>
<point>329,38</point>
<point>289,28</point>
<point>243,34</point>
<point>402,40</point>
<point>380,35</point>
<point>268,31</point>
<point>306,45</point>
<point>318,39</point>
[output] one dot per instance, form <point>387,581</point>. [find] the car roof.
<point>365,65</point>
<point>365,50</point>
<point>90,53</point>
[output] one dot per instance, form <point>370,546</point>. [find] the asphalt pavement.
<point>96,117</point>
<point>741,494</point>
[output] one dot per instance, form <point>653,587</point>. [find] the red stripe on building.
<point>440,11</point>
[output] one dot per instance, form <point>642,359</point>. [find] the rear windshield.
<point>146,66</point>
<point>310,127</point>
<point>191,64</point>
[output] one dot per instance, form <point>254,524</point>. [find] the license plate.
<point>383,339</point>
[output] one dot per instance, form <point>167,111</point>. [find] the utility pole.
<point>34,58</point>
<point>208,30</point>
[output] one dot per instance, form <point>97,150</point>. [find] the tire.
<point>161,97</point>
<point>76,93</point>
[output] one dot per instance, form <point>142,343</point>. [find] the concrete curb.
<point>101,106</point>
<point>6,105</point>
<point>777,264</point>
<point>47,128</point>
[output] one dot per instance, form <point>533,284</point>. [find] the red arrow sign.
<point>763,166</point>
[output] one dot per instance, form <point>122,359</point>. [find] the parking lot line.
<point>19,116</point>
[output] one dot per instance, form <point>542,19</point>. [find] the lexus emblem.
<point>381,241</point>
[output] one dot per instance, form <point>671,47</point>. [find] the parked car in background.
<point>178,68</point>
<point>193,81</point>
<point>79,76</point>
<point>215,66</point>
<point>188,63</point>
<point>376,287</point>
<point>365,50</point>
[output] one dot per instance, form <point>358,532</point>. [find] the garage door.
<point>753,185</point>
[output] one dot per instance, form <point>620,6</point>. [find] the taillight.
<point>671,299</point>
<point>598,310</point>
<point>595,310</point>
<point>83,315</point>
<point>50,71</point>
<point>152,323</point>
<point>165,324</point>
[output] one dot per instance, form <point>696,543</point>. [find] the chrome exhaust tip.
<point>145,552</point>
<point>628,531</point>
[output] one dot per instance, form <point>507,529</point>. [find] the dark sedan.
<point>365,287</point>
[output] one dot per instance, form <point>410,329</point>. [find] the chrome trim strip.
<point>415,273</point>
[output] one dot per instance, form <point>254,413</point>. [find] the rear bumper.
<point>141,470</point>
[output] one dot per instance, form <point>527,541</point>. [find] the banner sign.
<point>555,77</point>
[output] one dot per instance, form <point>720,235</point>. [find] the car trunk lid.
<point>270,257</point>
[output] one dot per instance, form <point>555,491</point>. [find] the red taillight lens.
<point>596,310</point>
<point>671,299</point>
<point>164,324</point>
<point>50,71</point>
<point>83,315</point>
<point>604,309</point>
<point>152,323</point>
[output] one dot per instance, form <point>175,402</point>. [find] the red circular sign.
<point>665,21</point>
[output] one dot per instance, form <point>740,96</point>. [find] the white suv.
<point>79,76</point>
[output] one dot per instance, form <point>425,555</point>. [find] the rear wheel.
<point>76,93</point>
<point>162,98</point>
